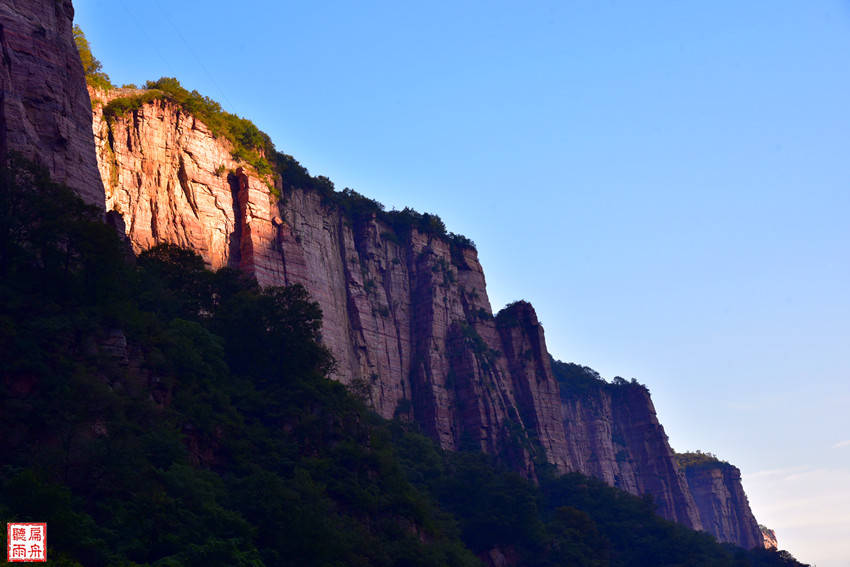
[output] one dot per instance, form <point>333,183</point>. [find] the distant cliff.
<point>45,112</point>
<point>720,498</point>
<point>615,435</point>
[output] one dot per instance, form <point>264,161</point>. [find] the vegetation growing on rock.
<point>359,207</point>
<point>577,380</point>
<point>699,459</point>
<point>249,144</point>
<point>95,76</point>
<point>254,147</point>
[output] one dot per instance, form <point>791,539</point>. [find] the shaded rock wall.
<point>537,390</point>
<point>723,505</point>
<point>45,113</point>
<point>406,318</point>
<point>613,434</point>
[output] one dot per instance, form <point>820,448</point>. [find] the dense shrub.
<point>698,459</point>
<point>359,208</point>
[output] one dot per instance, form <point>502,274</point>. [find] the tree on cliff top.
<point>95,76</point>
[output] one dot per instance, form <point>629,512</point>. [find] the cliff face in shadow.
<point>45,113</point>
<point>615,435</point>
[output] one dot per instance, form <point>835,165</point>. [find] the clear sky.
<point>667,182</point>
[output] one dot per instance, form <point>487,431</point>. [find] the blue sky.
<point>667,182</point>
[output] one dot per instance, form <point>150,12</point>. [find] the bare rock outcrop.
<point>45,112</point>
<point>537,390</point>
<point>408,319</point>
<point>769,536</point>
<point>405,314</point>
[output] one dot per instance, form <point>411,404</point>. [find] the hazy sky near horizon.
<point>667,182</point>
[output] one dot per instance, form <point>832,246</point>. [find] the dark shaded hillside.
<point>155,412</point>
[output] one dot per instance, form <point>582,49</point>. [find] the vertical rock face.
<point>722,503</point>
<point>405,312</point>
<point>45,113</point>
<point>537,390</point>
<point>408,319</point>
<point>613,434</point>
<point>406,315</point>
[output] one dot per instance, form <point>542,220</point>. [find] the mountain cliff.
<point>616,436</point>
<point>405,308</point>
<point>45,112</point>
<point>405,305</point>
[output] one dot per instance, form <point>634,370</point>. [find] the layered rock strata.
<point>45,113</point>
<point>613,434</point>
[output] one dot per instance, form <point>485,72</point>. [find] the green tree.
<point>93,68</point>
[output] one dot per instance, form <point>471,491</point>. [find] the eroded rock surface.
<point>613,434</point>
<point>723,505</point>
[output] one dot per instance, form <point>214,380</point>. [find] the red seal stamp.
<point>27,542</point>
